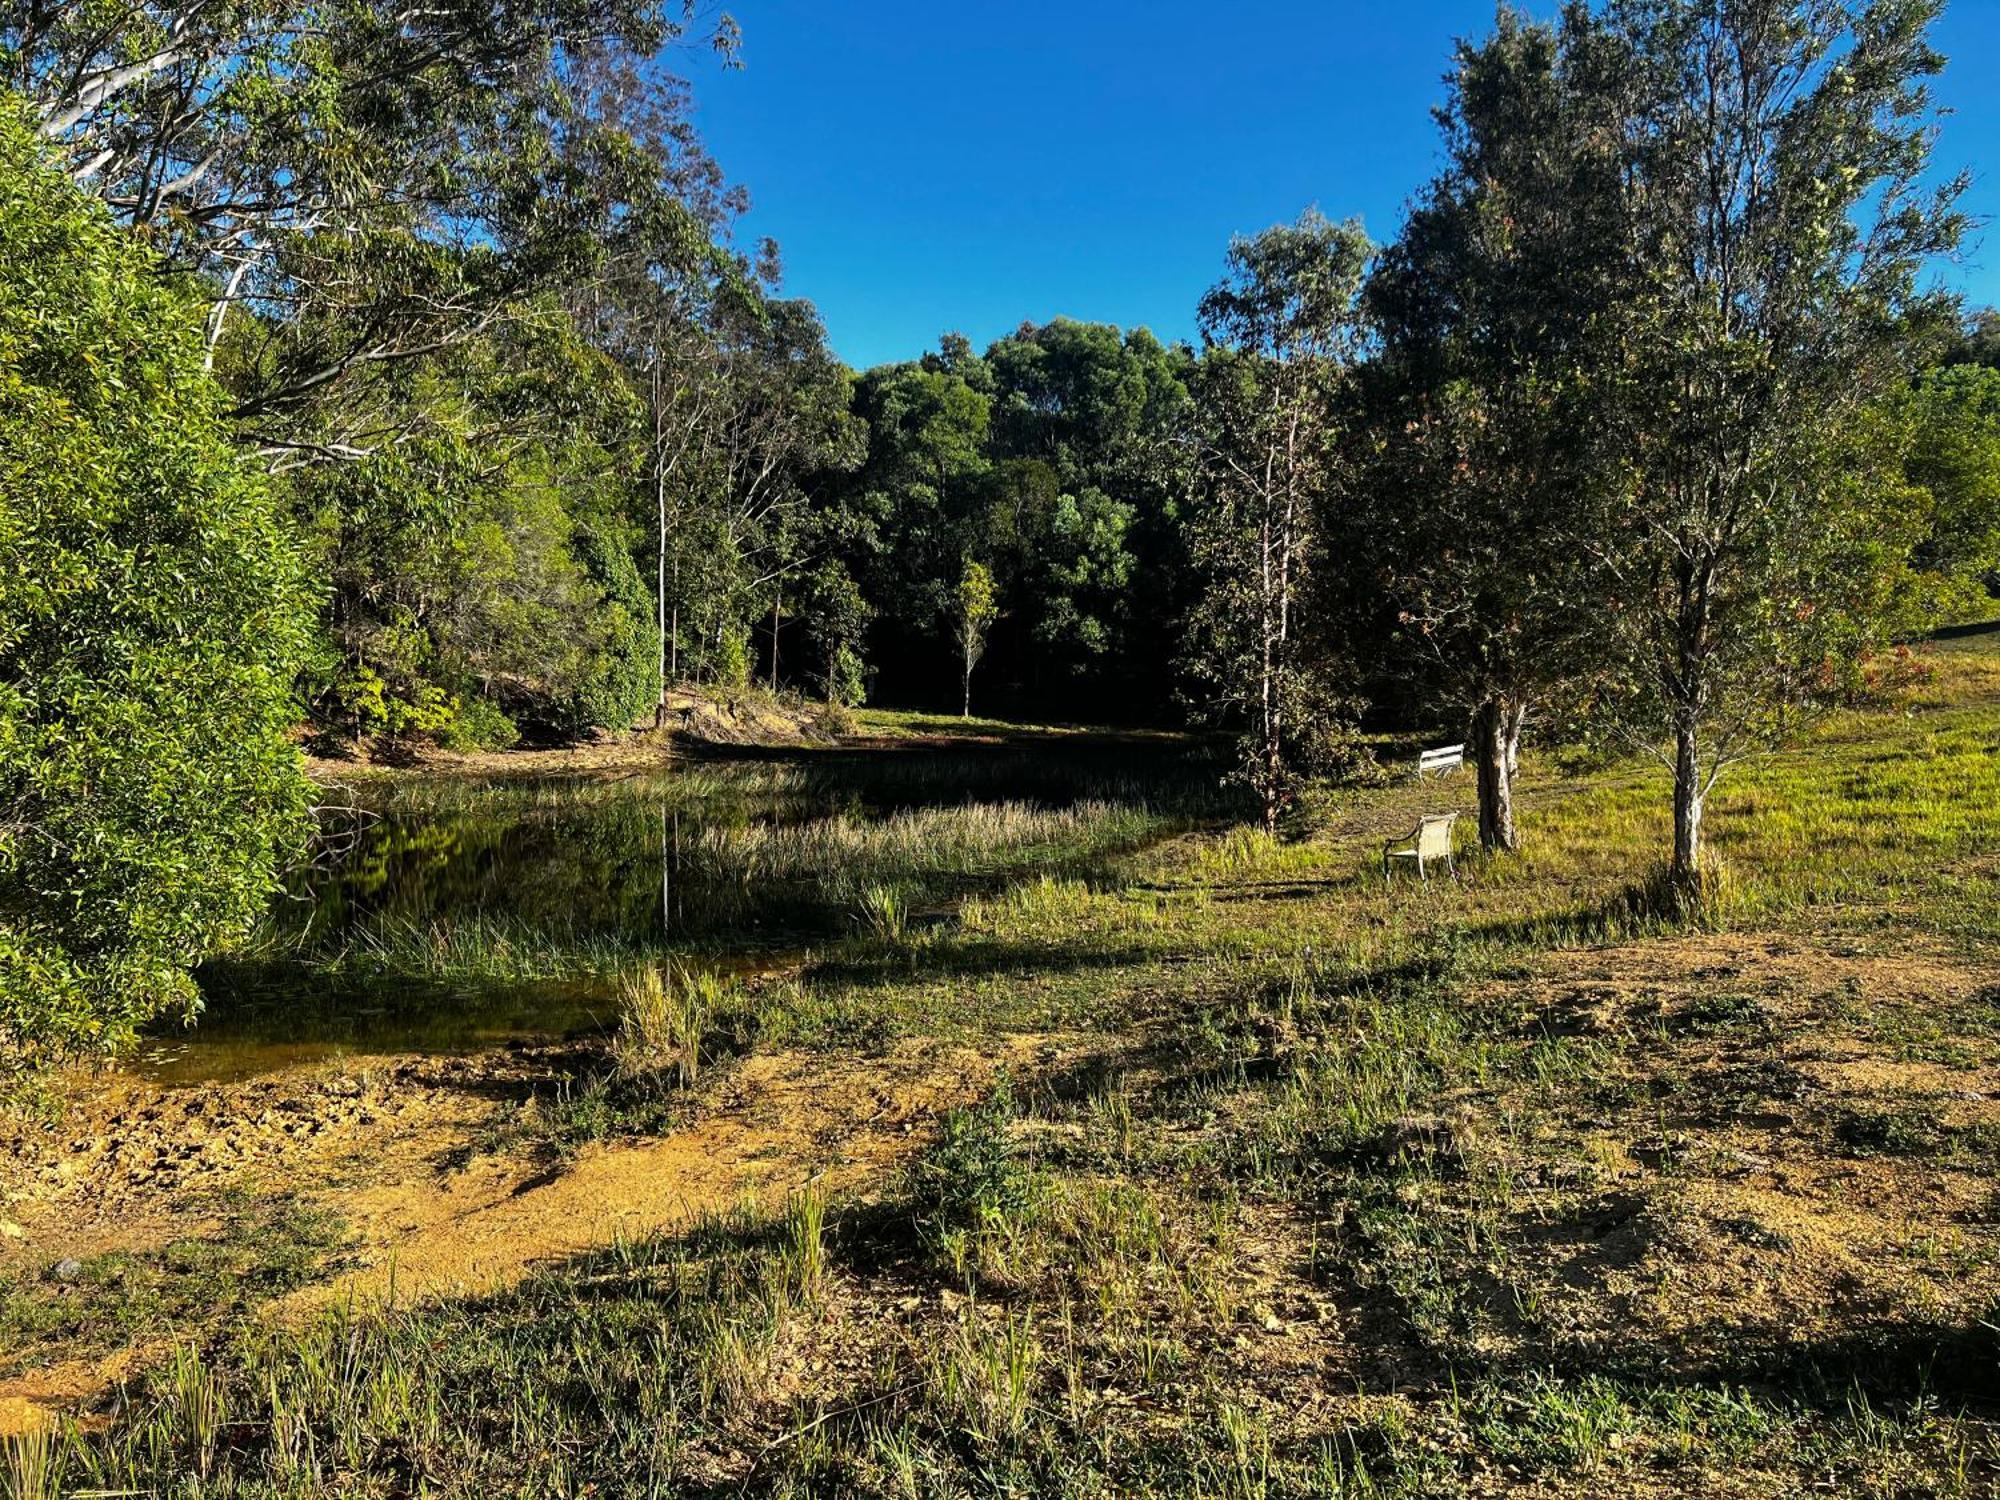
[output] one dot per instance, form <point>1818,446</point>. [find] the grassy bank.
<point>1503,1185</point>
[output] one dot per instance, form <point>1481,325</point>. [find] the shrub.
<point>479,724</point>
<point>971,1178</point>
<point>846,678</point>
<point>732,660</point>
<point>152,617</point>
<point>620,683</point>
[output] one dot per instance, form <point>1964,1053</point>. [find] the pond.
<point>447,913</point>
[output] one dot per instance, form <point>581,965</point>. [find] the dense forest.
<point>400,372</point>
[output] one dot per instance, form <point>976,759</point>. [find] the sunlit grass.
<point>1321,1113</point>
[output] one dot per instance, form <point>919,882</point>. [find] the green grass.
<point>69,1308</point>
<point>1349,1188</point>
<point>755,876</point>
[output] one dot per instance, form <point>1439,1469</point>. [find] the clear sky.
<point>933,165</point>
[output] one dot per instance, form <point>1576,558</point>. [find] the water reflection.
<point>453,913</point>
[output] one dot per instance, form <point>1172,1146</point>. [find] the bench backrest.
<point>1443,758</point>
<point>1434,836</point>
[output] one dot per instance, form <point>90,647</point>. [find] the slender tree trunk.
<point>1685,873</point>
<point>777,600</point>
<point>1492,753</point>
<point>660,500</point>
<point>1517,716</point>
<point>1272,748</point>
<point>966,711</point>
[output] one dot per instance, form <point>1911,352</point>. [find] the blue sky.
<point>928,165</point>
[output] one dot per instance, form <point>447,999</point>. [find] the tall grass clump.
<point>882,912</point>
<point>30,1465</point>
<point>663,1013</point>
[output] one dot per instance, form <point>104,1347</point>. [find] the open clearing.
<point>1289,1182</point>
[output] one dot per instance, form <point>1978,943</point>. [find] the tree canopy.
<point>153,612</point>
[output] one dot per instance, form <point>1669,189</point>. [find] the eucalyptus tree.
<point>475,558</point>
<point>1497,308</point>
<point>1281,332</point>
<point>1779,227</point>
<point>975,606</point>
<point>651,312</point>
<point>359,184</point>
<point>782,427</point>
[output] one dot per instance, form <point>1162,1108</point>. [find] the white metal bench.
<point>1427,843</point>
<point>1444,760</point>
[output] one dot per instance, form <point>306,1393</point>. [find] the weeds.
<point>1348,1192</point>
<point>662,1017</point>
<point>971,1181</point>
<point>882,913</point>
<point>108,1301</point>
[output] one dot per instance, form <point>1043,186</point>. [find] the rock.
<point>67,1270</point>
<point>1418,1135</point>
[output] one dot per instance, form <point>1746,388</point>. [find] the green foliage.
<point>1752,540</point>
<point>837,615</point>
<point>731,665</point>
<point>470,566</point>
<point>620,677</point>
<point>407,180</point>
<point>361,697</point>
<point>1954,463</point>
<point>846,678</point>
<point>971,1177</point>
<point>1282,332</point>
<point>1489,463</point>
<point>975,606</point>
<point>479,724</point>
<point>152,613</point>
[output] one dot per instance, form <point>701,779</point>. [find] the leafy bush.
<point>621,681</point>
<point>479,724</point>
<point>361,699</point>
<point>152,617</point>
<point>971,1178</point>
<point>732,661</point>
<point>847,678</point>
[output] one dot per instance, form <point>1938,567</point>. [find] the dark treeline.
<point>412,353</point>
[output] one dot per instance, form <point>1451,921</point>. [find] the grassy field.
<point>1502,1185</point>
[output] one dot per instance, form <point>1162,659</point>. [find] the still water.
<point>445,914</point>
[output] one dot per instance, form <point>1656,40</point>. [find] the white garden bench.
<point>1444,760</point>
<point>1428,842</point>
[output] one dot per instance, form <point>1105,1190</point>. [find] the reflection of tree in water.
<point>386,941</point>
<point>715,859</point>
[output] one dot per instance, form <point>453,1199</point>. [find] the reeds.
<point>663,1012</point>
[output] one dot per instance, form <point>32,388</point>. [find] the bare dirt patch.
<point>779,1123</point>
<point>695,721</point>
<point>1783,1147</point>
<point>393,1150</point>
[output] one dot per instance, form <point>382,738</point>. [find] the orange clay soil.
<point>133,1166</point>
